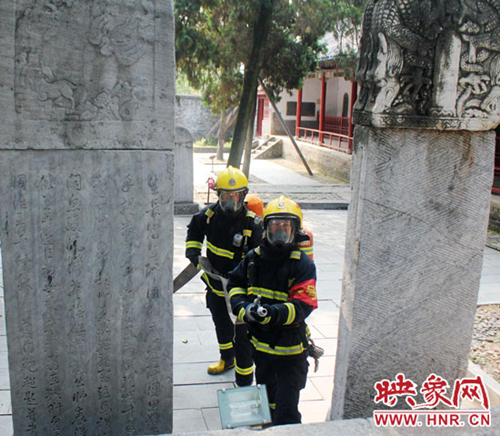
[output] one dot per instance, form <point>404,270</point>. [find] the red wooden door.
<point>260,115</point>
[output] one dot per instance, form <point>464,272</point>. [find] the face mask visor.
<point>231,202</point>
<point>280,232</point>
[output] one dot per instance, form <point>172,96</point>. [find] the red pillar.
<point>354,97</point>
<point>322,108</point>
<point>299,113</point>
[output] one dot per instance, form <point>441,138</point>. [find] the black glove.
<point>194,260</point>
<point>272,312</point>
<point>251,314</point>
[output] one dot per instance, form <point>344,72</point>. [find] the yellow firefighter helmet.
<point>282,222</point>
<point>231,186</point>
<point>231,179</point>
<point>283,207</point>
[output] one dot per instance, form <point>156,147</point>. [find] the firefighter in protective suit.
<point>255,204</point>
<point>230,231</point>
<point>274,290</point>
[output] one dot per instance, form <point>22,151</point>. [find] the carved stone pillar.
<point>184,187</point>
<point>86,214</point>
<point>421,179</point>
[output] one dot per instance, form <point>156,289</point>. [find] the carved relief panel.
<point>84,60</point>
<point>430,64</point>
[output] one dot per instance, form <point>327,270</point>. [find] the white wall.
<point>336,87</point>
<point>335,90</point>
<point>286,97</point>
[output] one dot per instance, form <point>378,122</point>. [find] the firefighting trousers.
<point>284,378</point>
<point>233,340</point>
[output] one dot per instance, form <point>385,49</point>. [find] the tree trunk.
<point>249,140</point>
<point>222,134</point>
<point>232,118</point>
<point>213,129</point>
<point>252,70</point>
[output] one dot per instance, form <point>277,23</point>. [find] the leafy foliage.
<point>214,43</point>
<point>207,48</point>
<point>215,47</point>
<point>183,87</point>
<point>347,16</point>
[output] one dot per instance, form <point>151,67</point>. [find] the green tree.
<point>347,19</point>
<point>223,43</point>
<point>208,54</point>
<point>183,87</point>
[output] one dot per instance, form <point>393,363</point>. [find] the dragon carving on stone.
<point>425,59</point>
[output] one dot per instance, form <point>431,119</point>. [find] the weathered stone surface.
<point>357,427</point>
<point>183,166</point>
<point>415,239</point>
<point>86,182</point>
<point>183,181</point>
<point>94,75</point>
<point>87,255</point>
<point>430,65</point>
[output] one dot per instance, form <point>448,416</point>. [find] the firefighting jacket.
<point>288,282</point>
<point>220,230</point>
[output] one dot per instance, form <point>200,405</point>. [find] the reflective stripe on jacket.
<point>289,284</point>
<point>219,231</point>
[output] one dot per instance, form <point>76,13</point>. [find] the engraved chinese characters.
<point>86,182</point>
<point>430,64</point>
<point>90,321</point>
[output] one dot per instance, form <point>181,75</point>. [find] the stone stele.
<point>421,180</point>
<point>86,217</point>
<point>184,168</point>
<point>414,249</point>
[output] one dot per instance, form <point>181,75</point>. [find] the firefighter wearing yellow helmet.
<point>282,222</point>
<point>230,231</point>
<point>273,289</point>
<point>283,207</point>
<point>231,187</point>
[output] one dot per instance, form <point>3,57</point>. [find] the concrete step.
<point>260,144</point>
<point>272,150</point>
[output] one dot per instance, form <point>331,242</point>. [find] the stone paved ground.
<point>485,348</point>
<point>195,344</point>
<point>493,240</point>
<point>270,178</point>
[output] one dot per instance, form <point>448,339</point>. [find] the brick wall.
<point>193,116</point>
